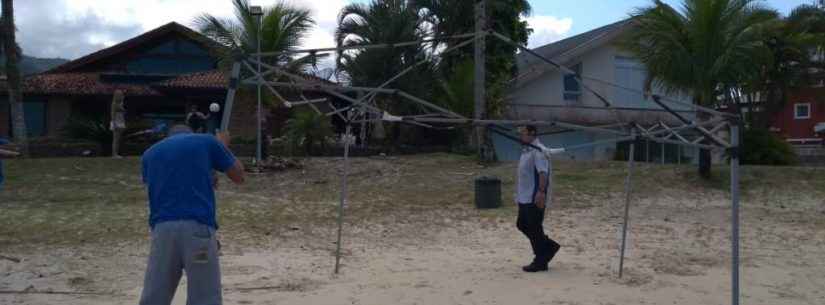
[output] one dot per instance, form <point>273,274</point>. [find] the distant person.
<point>196,119</point>
<point>178,173</point>
<point>5,153</point>
<point>531,196</point>
<point>118,122</point>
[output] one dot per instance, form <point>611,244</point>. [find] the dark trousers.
<point>530,222</point>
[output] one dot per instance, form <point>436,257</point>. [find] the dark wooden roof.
<point>172,27</point>
<point>75,78</point>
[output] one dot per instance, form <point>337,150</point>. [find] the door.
<point>34,114</point>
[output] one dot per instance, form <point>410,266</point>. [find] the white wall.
<point>530,99</point>
<point>542,99</point>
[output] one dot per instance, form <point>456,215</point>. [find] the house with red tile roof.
<point>162,73</point>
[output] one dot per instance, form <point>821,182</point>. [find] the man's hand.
<point>539,200</point>
<point>223,137</point>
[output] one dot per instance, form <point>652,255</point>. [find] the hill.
<point>33,65</point>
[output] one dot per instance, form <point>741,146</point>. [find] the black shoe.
<point>554,248</point>
<point>535,267</point>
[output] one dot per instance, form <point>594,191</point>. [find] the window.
<point>631,74</point>
<point>572,87</point>
<point>802,111</point>
<point>172,57</point>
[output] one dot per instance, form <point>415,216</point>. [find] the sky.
<point>73,28</point>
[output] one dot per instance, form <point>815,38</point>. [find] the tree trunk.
<point>13,77</point>
<point>486,154</point>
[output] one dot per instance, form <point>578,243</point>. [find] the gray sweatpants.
<point>179,246</point>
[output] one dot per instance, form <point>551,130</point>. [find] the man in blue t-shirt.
<point>5,153</point>
<point>179,176</point>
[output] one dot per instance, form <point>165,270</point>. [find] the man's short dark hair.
<point>531,129</point>
<point>179,129</point>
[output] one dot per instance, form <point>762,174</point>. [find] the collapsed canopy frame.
<point>702,134</point>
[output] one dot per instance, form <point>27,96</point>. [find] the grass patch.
<point>74,201</point>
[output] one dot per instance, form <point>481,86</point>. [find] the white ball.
<point>214,107</point>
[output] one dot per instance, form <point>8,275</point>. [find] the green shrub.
<point>762,147</point>
<point>308,129</point>
<point>95,128</point>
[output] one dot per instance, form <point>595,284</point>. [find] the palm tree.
<point>704,48</point>
<point>12,52</point>
<point>456,90</point>
<point>283,28</point>
<point>384,21</point>
<point>806,24</point>
<point>808,17</point>
<point>794,51</point>
<point>380,21</point>
<point>448,18</point>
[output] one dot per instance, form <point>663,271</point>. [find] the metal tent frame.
<point>363,109</point>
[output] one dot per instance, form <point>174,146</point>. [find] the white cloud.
<point>325,14</point>
<point>149,13</point>
<point>96,24</point>
<point>547,29</point>
<point>45,30</point>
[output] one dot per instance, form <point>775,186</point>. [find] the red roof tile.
<point>217,79</point>
<point>90,83</point>
<point>80,84</point>
<point>214,79</point>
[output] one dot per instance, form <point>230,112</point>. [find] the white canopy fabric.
<point>820,127</point>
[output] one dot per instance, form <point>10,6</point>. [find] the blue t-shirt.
<point>2,142</point>
<point>178,174</point>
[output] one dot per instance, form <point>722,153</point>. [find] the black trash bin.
<point>488,193</point>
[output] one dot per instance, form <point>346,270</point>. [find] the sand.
<point>679,253</point>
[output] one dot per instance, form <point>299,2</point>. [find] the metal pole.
<point>371,46</point>
<point>734,191</point>
<point>373,91</point>
<point>679,154</point>
<point>366,117</point>
<point>691,144</point>
<point>579,77</point>
<point>647,150</point>
<point>258,151</point>
<point>480,60</point>
<point>309,85</point>
<point>627,189</point>
<point>234,79</point>
<point>663,153</point>
<point>347,141</point>
<point>412,68</point>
